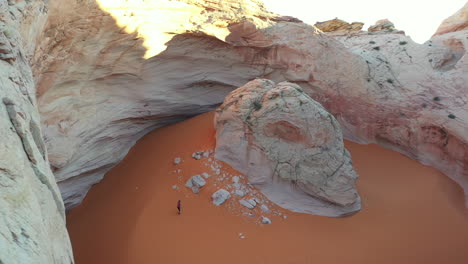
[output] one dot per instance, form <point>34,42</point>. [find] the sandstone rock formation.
<point>32,214</point>
<point>101,85</point>
<point>382,25</point>
<point>289,146</point>
<point>104,81</point>
<point>338,25</point>
<point>108,71</point>
<point>418,100</point>
<point>456,22</point>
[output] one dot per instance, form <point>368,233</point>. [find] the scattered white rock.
<point>177,161</point>
<point>253,202</point>
<point>235,179</point>
<point>175,187</point>
<point>266,220</point>
<point>195,189</point>
<point>285,216</point>
<point>206,154</point>
<point>263,130</point>
<point>205,175</point>
<point>197,155</point>
<point>240,193</point>
<point>265,208</point>
<point>247,204</point>
<point>195,183</point>
<point>198,180</point>
<point>220,196</point>
<point>242,237</point>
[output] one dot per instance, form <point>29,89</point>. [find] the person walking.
<point>178,207</point>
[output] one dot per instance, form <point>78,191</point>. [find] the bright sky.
<point>418,18</point>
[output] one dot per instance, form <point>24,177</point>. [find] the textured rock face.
<point>382,25</point>
<point>109,71</point>
<point>289,146</point>
<point>418,101</point>
<point>32,215</point>
<point>338,25</point>
<point>104,81</point>
<point>456,22</point>
<point>101,87</point>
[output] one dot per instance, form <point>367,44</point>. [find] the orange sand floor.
<point>411,213</point>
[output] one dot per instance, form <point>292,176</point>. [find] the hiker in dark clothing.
<point>178,207</point>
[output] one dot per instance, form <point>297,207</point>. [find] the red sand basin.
<point>411,213</point>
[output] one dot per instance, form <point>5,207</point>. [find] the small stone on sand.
<point>195,183</point>
<point>220,196</point>
<point>197,155</point>
<point>240,193</point>
<point>265,208</point>
<point>266,220</point>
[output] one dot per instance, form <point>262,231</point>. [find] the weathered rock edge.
<point>289,146</point>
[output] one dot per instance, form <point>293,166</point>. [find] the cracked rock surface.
<point>289,146</point>
<point>32,213</point>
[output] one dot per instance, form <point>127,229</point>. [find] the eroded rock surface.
<point>417,99</point>
<point>456,22</point>
<point>106,77</point>
<point>338,25</point>
<point>384,25</point>
<point>289,146</point>
<point>32,214</point>
<point>109,72</point>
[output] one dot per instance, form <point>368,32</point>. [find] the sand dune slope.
<point>411,213</point>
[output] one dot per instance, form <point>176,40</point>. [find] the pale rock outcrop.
<point>98,93</point>
<point>338,25</point>
<point>382,25</point>
<point>32,214</point>
<point>289,146</point>
<point>109,71</point>
<point>106,76</point>
<point>416,102</point>
<point>456,22</point>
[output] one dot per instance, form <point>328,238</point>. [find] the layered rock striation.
<point>32,213</point>
<point>338,25</point>
<point>108,73</point>
<point>106,76</point>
